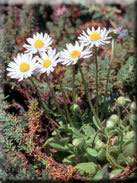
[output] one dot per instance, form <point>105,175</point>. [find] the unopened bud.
<point>122,100</point>
<point>110,124</point>
<point>133,107</point>
<point>115,118</point>
<point>77,142</point>
<point>75,108</point>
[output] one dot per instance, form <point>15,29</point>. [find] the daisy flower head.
<point>119,32</point>
<point>22,67</point>
<point>94,37</point>
<point>73,53</point>
<point>48,61</point>
<point>39,43</point>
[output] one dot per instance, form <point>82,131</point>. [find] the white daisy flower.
<point>48,61</point>
<point>22,67</point>
<point>72,54</point>
<point>39,43</point>
<point>94,37</point>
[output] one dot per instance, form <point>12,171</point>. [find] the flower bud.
<point>54,133</point>
<point>119,32</point>
<point>75,108</point>
<point>129,136</point>
<point>110,124</point>
<point>133,107</point>
<point>115,118</point>
<point>122,100</point>
<point>77,142</point>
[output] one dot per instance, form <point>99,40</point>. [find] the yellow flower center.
<point>94,36</point>
<point>75,54</point>
<point>24,67</point>
<point>38,43</point>
<point>47,63</point>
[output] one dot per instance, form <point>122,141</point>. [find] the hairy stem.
<point>65,102</point>
<point>98,123</point>
<point>109,69</point>
<point>73,83</point>
<point>53,95</point>
<point>97,97</point>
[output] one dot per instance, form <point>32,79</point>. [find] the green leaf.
<point>92,152</point>
<point>96,123</point>
<point>70,159</point>
<point>90,140</point>
<point>64,140</point>
<point>111,158</point>
<point>103,68</point>
<point>115,172</point>
<point>129,149</point>
<point>50,25</point>
<point>130,160</point>
<point>88,130</point>
<point>98,143</point>
<point>129,136</point>
<point>121,159</point>
<point>99,175</point>
<point>66,161</point>
<point>48,141</point>
<point>75,132</point>
<point>89,168</point>
<point>126,71</point>
<point>102,154</point>
<point>58,147</point>
<point>133,120</point>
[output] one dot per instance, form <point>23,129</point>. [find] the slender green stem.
<point>53,95</point>
<point>55,100</point>
<point>74,90</point>
<point>65,102</point>
<point>97,97</point>
<point>109,69</point>
<point>118,111</point>
<point>73,84</point>
<point>107,80</point>
<point>121,139</point>
<point>99,125</point>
